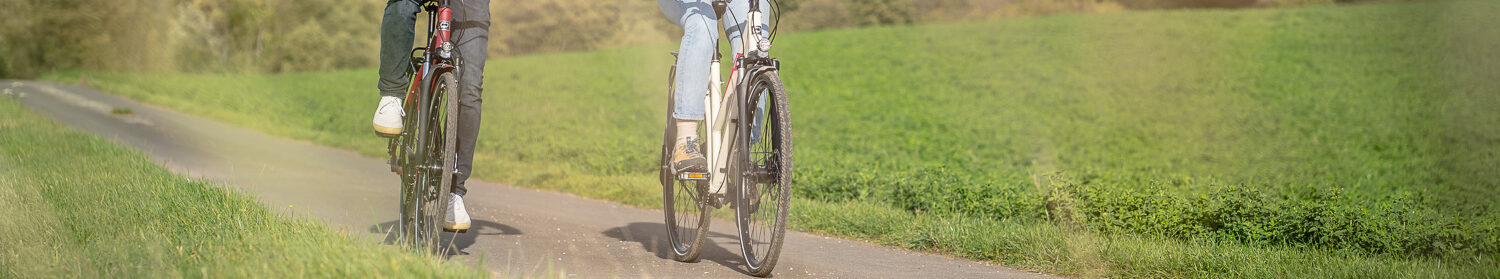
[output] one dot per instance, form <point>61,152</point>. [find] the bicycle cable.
<point>774,12</point>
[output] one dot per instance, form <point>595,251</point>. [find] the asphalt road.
<point>517,231</point>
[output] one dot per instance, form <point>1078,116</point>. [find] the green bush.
<point>932,190</point>
<point>880,12</point>
<point>1402,223</point>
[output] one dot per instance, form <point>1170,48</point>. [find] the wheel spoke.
<point>424,155</point>
<point>761,207</point>
<point>686,216</point>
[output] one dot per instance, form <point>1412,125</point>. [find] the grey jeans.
<point>471,32</point>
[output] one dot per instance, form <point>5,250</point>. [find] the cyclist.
<point>471,32</point>
<point>699,36</point>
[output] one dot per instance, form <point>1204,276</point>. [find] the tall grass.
<point>77,206</point>
<point>1357,139</point>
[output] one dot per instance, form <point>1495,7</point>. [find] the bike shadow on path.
<point>457,242</point>
<point>653,238</point>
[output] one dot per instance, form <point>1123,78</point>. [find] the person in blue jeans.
<point>471,33</point>
<point>699,34</point>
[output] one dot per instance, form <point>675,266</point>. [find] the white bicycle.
<point>749,155</point>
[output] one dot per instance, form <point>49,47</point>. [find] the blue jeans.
<point>699,35</point>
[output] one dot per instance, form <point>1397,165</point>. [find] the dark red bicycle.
<point>423,154</point>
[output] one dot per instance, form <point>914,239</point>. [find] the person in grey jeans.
<point>471,32</point>
<point>699,33</point>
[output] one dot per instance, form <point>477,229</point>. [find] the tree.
<point>880,12</point>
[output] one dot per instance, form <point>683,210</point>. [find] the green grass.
<point>1340,141</point>
<point>77,206</point>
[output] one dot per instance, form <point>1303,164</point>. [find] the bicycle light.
<point>764,44</point>
<point>446,50</point>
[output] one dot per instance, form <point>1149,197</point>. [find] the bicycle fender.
<point>444,68</point>
<point>769,64</point>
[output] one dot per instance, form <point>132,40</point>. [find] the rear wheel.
<point>686,218</point>
<point>764,152</point>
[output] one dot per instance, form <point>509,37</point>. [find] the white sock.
<point>686,129</point>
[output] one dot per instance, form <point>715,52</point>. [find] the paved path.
<point>516,231</point>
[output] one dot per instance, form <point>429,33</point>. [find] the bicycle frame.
<point>426,66</point>
<point>723,102</point>
<point>439,30</point>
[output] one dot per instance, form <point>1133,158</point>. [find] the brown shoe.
<point>687,158</point>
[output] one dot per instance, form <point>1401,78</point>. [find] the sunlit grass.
<point>73,205</point>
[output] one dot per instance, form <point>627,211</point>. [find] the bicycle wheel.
<point>686,218</point>
<point>409,157</point>
<point>447,128</point>
<point>433,168</point>
<point>763,200</point>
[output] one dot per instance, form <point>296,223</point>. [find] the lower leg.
<point>686,129</point>
<point>473,37</point>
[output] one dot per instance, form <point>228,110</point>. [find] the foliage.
<point>188,35</point>
<point>929,190</point>
<point>880,12</point>
<point>271,36</point>
<point>1404,223</point>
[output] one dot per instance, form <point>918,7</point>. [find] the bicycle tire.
<point>447,105</point>
<point>687,224</point>
<point>425,198</point>
<point>767,162</point>
<point>410,157</point>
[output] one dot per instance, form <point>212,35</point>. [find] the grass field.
<point>1338,141</point>
<point>77,206</point>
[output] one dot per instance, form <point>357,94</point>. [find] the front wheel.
<point>764,154</point>
<point>430,171</point>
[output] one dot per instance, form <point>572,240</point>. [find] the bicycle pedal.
<point>692,176</point>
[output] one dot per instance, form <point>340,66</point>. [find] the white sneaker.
<point>388,116</point>
<point>458,217</point>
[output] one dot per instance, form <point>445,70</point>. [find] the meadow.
<point>78,206</point>
<point>1334,141</point>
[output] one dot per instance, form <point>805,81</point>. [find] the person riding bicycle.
<point>699,37</point>
<point>471,31</point>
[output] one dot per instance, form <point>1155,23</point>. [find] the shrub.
<point>1402,223</point>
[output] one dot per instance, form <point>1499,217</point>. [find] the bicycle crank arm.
<point>390,149</point>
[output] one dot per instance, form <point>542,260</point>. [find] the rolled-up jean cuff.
<point>680,116</point>
<point>384,93</point>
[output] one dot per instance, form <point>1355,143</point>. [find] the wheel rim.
<point>409,182</point>
<point>761,181</point>
<point>687,216</point>
<point>684,212</point>
<point>431,190</point>
<point>421,195</point>
<point>686,219</point>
